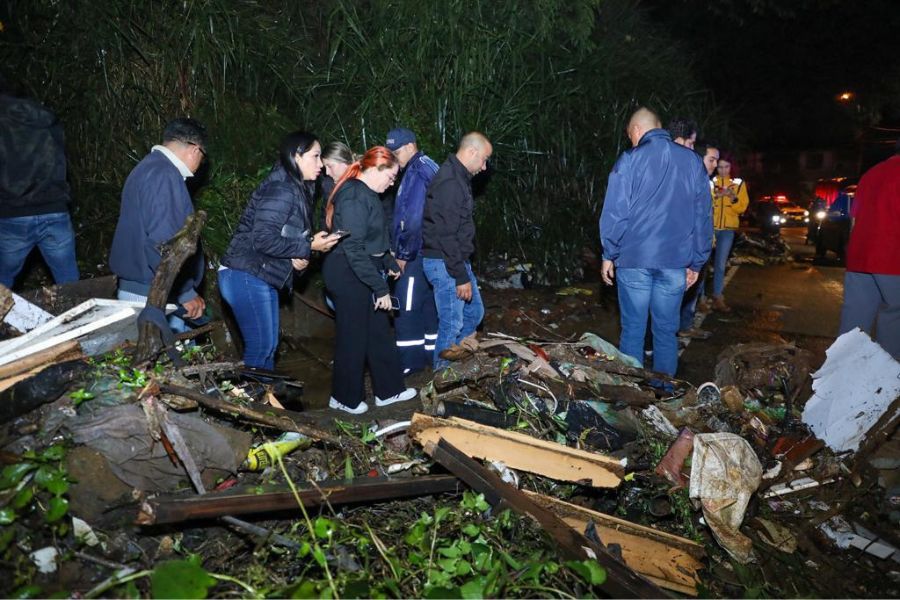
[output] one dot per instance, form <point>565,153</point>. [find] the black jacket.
<point>273,229</point>
<point>448,226</point>
<point>32,160</point>
<point>358,209</point>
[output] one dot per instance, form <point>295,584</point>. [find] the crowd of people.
<point>413,265</point>
<point>672,202</point>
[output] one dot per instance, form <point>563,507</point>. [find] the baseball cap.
<point>399,137</point>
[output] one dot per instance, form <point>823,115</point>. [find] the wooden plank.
<point>519,451</point>
<point>621,581</point>
<point>64,351</point>
<point>362,490</point>
<point>667,560</point>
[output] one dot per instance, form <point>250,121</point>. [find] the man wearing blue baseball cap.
<point>416,320</point>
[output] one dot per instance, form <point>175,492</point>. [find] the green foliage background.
<point>551,82</point>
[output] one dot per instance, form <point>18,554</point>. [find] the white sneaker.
<point>407,394</point>
<point>363,407</point>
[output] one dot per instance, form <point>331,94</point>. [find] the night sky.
<point>777,68</point>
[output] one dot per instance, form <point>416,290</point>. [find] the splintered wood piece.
<point>68,350</point>
<point>621,581</point>
<point>519,451</point>
<point>359,491</point>
<point>667,560</point>
<point>282,420</point>
<point>173,253</point>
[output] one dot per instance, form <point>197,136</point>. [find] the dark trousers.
<point>416,320</point>
<point>363,337</point>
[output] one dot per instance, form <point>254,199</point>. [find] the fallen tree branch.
<point>174,253</point>
<point>273,417</point>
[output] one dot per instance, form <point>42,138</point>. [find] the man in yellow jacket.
<point>730,200</point>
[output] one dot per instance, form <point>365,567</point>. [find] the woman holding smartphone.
<point>355,275</point>
<point>271,241</point>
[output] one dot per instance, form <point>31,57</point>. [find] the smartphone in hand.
<point>341,233</point>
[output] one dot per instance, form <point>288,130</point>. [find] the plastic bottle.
<point>267,454</point>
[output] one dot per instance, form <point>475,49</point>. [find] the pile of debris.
<point>760,249</point>
<point>131,475</point>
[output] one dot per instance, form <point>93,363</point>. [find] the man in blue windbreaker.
<point>656,231</point>
<point>415,321</point>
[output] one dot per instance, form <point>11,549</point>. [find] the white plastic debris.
<point>804,483</point>
<point>855,386</point>
<point>83,532</point>
<point>658,420</point>
<point>505,473</point>
<point>846,535</point>
<point>45,559</point>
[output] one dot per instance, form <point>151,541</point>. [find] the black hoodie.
<point>32,159</point>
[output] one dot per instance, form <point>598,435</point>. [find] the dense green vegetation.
<point>550,82</point>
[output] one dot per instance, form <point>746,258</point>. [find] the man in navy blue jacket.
<point>656,231</point>
<point>416,320</point>
<point>155,205</point>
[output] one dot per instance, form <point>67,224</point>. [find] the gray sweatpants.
<point>869,298</point>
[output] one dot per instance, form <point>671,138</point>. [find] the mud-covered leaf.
<point>180,579</point>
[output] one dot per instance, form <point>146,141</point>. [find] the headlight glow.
<point>805,213</point>
<point>776,218</point>
<point>820,215</point>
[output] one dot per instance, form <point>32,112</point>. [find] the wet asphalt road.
<point>797,302</point>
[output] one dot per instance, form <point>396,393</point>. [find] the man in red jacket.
<point>872,281</point>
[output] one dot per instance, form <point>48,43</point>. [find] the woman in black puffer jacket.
<point>272,240</point>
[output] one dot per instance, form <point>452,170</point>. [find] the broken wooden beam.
<point>174,253</point>
<point>667,560</point>
<point>519,451</point>
<point>67,350</point>
<point>271,417</point>
<point>366,489</point>
<point>621,582</point>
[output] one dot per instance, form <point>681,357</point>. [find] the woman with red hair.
<point>355,275</point>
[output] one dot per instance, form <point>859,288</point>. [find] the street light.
<point>845,96</point>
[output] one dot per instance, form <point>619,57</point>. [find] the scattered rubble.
<point>598,477</point>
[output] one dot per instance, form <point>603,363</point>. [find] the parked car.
<point>771,213</point>
<point>833,230</point>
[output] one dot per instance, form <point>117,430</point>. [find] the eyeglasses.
<point>200,148</point>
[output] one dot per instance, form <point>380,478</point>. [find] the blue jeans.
<point>689,302</point>
<point>51,233</point>
<point>657,292</point>
<point>724,241</point>
<point>456,319</point>
<point>255,306</point>
<point>873,301</point>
